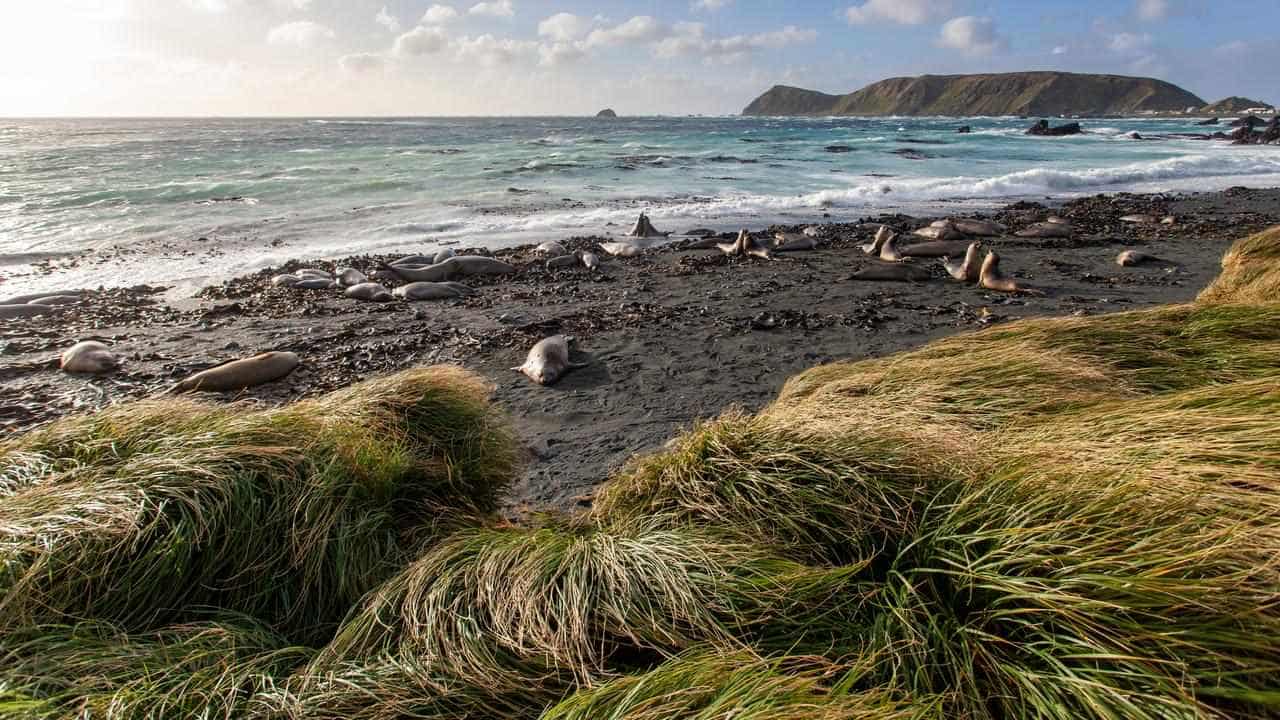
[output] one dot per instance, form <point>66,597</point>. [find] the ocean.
<point>188,202</point>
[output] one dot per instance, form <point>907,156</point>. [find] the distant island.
<point>607,113</point>
<point>1021,93</point>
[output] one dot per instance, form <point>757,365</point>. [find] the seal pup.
<point>1045,230</point>
<point>1138,219</point>
<point>560,262</point>
<point>314,283</point>
<point>966,270</point>
<point>990,277</point>
<point>370,292</point>
<point>873,247</point>
<point>978,228</point>
<point>590,260</point>
<point>441,256</point>
<point>431,291</point>
<point>1130,258</point>
<point>793,242</point>
<point>88,356</point>
<point>644,229</point>
<point>348,277</point>
<point>23,310</point>
<point>621,249</point>
<point>891,272</point>
<point>285,280</point>
<point>240,374</point>
<point>551,249</point>
<point>548,360</point>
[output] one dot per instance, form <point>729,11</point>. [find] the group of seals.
<point>645,229</point>
<point>35,304</point>
<point>745,246</point>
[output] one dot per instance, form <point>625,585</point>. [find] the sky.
<point>573,57</point>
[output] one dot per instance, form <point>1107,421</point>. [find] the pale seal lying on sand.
<point>551,249</point>
<point>934,249</point>
<point>1057,220</point>
<point>978,228</point>
<point>793,242</point>
<point>889,251</point>
<point>370,292</point>
<point>88,356</point>
<point>745,245</point>
<point>559,262</point>
<point>548,360</point>
<point>1046,229</point>
<point>643,228</point>
<point>939,230</point>
<point>349,277</point>
<point>56,300</point>
<point>1138,219</point>
<point>873,247</point>
<point>590,260</point>
<point>23,310</point>
<point>24,299</point>
<point>891,272</point>
<point>621,249</point>
<point>1130,258</point>
<point>313,272</point>
<point>990,277</point>
<point>432,290</point>
<point>812,231</point>
<point>240,374</point>
<point>285,280</point>
<point>457,265</point>
<point>314,283</point>
<point>443,255</point>
<point>968,270</point>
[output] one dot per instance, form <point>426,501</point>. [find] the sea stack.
<point>607,113</point>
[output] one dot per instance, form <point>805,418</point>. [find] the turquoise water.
<point>188,201</point>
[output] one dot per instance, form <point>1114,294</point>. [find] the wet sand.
<point>671,337</point>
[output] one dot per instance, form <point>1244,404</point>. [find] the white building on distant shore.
<point>1260,111</point>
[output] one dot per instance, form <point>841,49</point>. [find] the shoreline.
<point>671,337</point>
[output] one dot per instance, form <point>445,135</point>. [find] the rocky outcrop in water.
<point>607,113</point>
<point>1043,128</point>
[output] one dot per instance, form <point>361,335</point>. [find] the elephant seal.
<point>443,255</point>
<point>421,259</point>
<point>891,272</point>
<point>940,230</point>
<point>370,292</point>
<point>590,260</point>
<point>23,310</point>
<point>559,262</point>
<point>1138,219</point>
<point>745,245</point>
<point>285,280</point>
<point>644,229</point>
<point>314,283</point>
<point>934,249</point>
<point>889,249</point>
<point>479,265</point>
<point>240,374</point>
<point>425,273</point>
<point>548,360</point>
<point>25,299</point>
<point>990,277</point>
<point>978,228</point>
<point>707,243</point>
<point>349,277</point>
<point>57,300</point>
<point>551,249</point>
<point>621,249</point>
<point>873,247</point>
<point>431,291</point>
<point>967,270</point>
<point>1045,230</point>
<point>88,356</point>
<point>793,242</point>
<point>1130,258</point>
<point>812,231</point>
<point>305,273</point>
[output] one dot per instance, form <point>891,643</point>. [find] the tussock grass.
<point>148,514</point>
<point>94,670</point>
<point>1250,272</point>
<point>740,686</point>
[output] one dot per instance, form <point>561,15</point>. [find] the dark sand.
<point>672,337</point>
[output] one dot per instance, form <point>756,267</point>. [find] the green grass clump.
<point>95,670</point>
<point>153,513</point>
<point>739,686</point>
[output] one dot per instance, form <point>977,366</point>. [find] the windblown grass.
<point>149,514</point>
<point>1250,272</point>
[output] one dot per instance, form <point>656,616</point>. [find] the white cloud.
<point>637,30</point>
<point>690,39</point>
<point>1060,50</point>
<point>387,20</point>
<point>971,35</point>
<point>439,14</point>
<point>358,63</point>
<point>1152,9</point>
<point>301,33</point>
<point>1129,43</point>
<point>420,41</point>
<point>489,50</point>
<point>709,5</point>
<point>903,12</point>
<point>560,53</point>
<point>563,27</point>
<point>493,8</point>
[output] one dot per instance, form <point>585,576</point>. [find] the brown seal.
<point>889,251</point>
<point>621,249</point>
<point>793,242</point>
<point>978,228</point>
<point>645,229</point>
<point>969,269</point>
<point>548,360</point>
<point>432,291</point>
<point>990,277</point>
<point>891,272</point>
<point>370,292</point>
<point>240,374</point>
<point>1046,229</point>
<point>882,234</point>
<point>745,245</point>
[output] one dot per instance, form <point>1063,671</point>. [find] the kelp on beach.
<point>1060,518</point>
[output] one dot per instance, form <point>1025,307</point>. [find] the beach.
<point>670,338</point>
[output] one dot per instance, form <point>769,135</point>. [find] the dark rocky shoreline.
<point>672,336</point>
